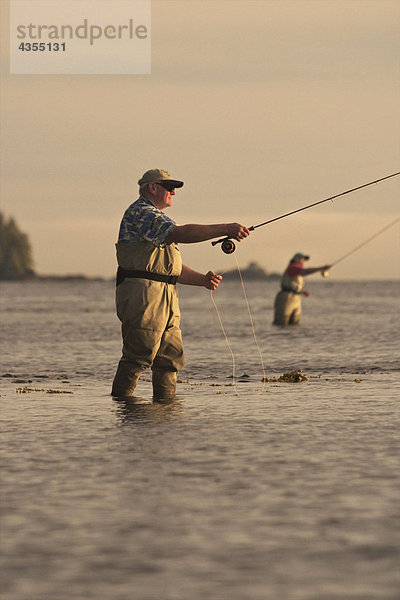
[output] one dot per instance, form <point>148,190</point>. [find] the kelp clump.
<point>291,377</point>
<point>29,390</point>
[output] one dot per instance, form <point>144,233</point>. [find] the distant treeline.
<point>15,251</point>
<point>252,271</point>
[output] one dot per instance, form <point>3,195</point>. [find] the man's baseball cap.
<point>300,255</point>
<point>157,175</point>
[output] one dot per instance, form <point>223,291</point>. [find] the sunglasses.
<point>166,185</point>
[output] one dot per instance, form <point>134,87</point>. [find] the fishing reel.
<point>227,245</point>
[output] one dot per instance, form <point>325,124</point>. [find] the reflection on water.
<point>135,411</point>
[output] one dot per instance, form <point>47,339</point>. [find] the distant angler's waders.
<point>287,309</point>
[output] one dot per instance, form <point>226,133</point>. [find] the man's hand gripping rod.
<point>227,244</point>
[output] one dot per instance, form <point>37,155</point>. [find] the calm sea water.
<point>271,492</point>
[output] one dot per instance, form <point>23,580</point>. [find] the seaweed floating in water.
<point>29,390</point>
<point>291,377</point>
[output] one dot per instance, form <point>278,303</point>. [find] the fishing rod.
<point>228,246</point>
<point>325,273</point>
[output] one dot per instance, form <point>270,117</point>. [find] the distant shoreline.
<point>252,272</point>
<point>68,277</point>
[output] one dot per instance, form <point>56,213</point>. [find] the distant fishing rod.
<point>228,246</point>
<point>325,273</point>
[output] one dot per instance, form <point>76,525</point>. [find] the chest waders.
<point>287,307</point>
<point>148,308</point>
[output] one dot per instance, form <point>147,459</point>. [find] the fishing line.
<point>252,328</point>
<point>366,241</point>
<point>227,342</point>
<point>252,324</point>
<point>228,246</point>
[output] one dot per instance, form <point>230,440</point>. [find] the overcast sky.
<point>261,107</point>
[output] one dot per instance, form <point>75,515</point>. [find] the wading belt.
<point>123,274</point>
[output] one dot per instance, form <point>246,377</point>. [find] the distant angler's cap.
<point>300,255</point>
<point>157,175</point>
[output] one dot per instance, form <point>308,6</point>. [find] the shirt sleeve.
<point>145,222</point>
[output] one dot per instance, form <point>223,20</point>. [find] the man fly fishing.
<point>287,308</point>
<point>149,266</point>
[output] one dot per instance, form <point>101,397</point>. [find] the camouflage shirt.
<point>143,221</point>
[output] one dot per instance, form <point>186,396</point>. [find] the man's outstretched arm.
<point>191,233</point>
<point>312,270</point>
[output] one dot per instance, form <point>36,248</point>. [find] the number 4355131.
<point>42,46</point>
